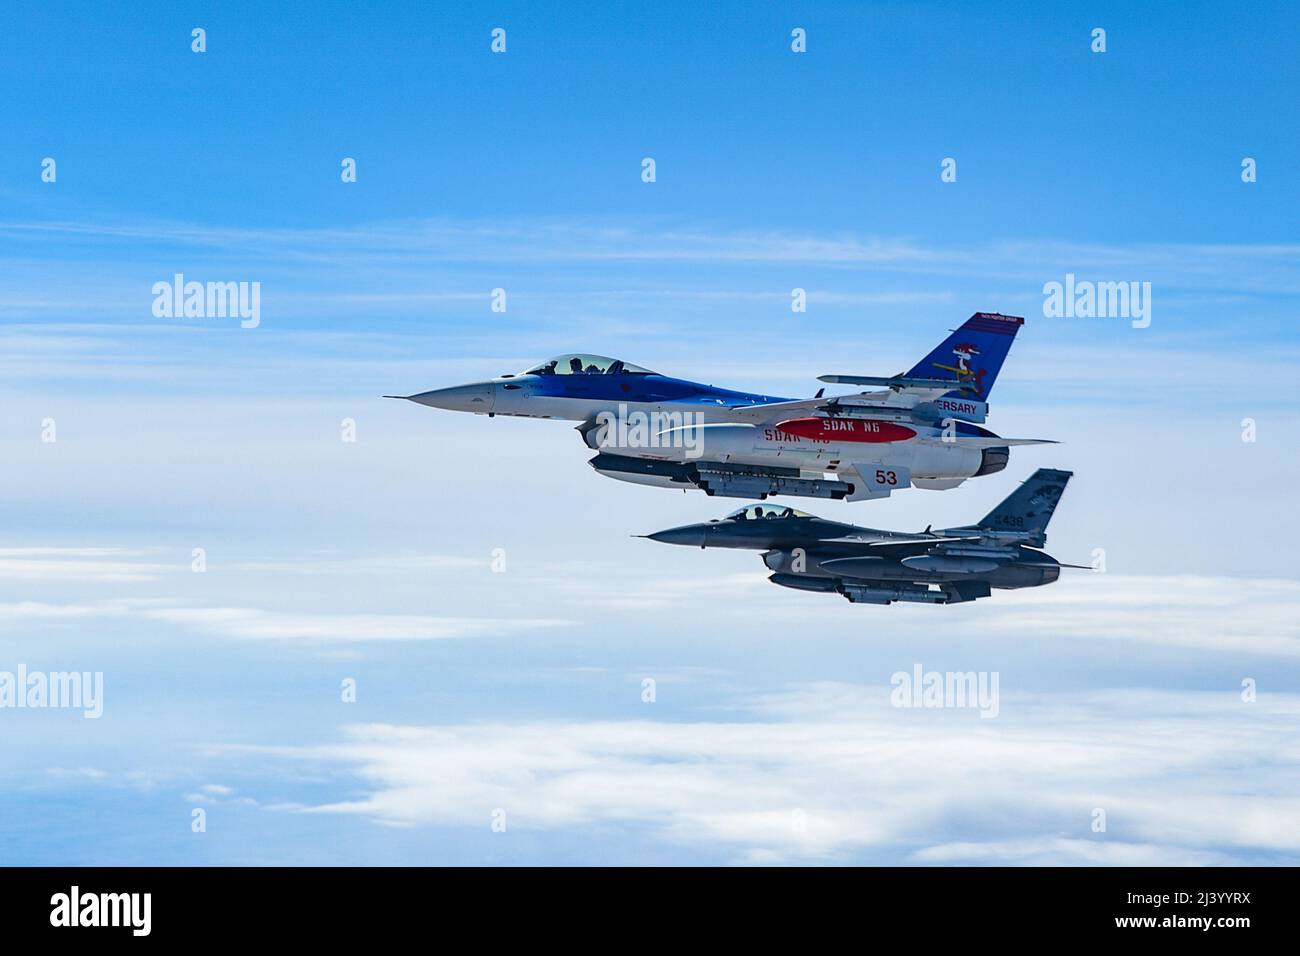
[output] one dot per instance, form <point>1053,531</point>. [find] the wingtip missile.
<point>894,381</point>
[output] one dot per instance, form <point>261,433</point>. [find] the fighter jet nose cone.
<point>477,397</point>
<point>692,535</point>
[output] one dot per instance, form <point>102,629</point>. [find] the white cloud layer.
<point>832,771</point>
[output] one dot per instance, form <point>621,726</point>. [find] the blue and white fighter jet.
<point>920,428</point>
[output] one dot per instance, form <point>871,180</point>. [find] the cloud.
<point>1228,615</point>
<point>832,771</point>
<point>217,793</point>
<point>245,623</point>
<point>1231,615</point>
<point>1263,268</point>
<point>588,585</point>
<point>1068,852</point>
<point>128,565</point>
<point>82,564</point>
<point>1251,615</point>
<point>257,624</point>
<point>26,610</point>
<point>383,564</point>
<point>93,774</point>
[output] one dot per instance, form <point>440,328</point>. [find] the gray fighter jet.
<point>878,567</point>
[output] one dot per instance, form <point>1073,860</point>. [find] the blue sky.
<point>521,690</point>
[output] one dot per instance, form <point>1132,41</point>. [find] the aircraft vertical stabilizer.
<point>1030,506</point>
<point>972,356</point>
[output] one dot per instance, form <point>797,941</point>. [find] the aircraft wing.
<point>982,442</point>
<point>758,414</point>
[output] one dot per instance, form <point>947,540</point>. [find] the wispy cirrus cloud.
<point>135,564</point>
<point>1265,268</point>
<point>260,624</point>
<point>1254,616</point>
<point>363,564</point>
<point>80,564</point>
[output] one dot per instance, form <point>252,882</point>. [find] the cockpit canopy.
<point>582,364</point>
<point>762,512</point>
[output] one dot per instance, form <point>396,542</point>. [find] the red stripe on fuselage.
<point>866,430</point>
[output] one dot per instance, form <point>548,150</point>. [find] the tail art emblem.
<point>971,380</point>
<point>1047,495</point>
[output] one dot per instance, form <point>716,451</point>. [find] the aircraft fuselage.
<point>582,397</point>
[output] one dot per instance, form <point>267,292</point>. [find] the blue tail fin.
<point>972,355</point>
